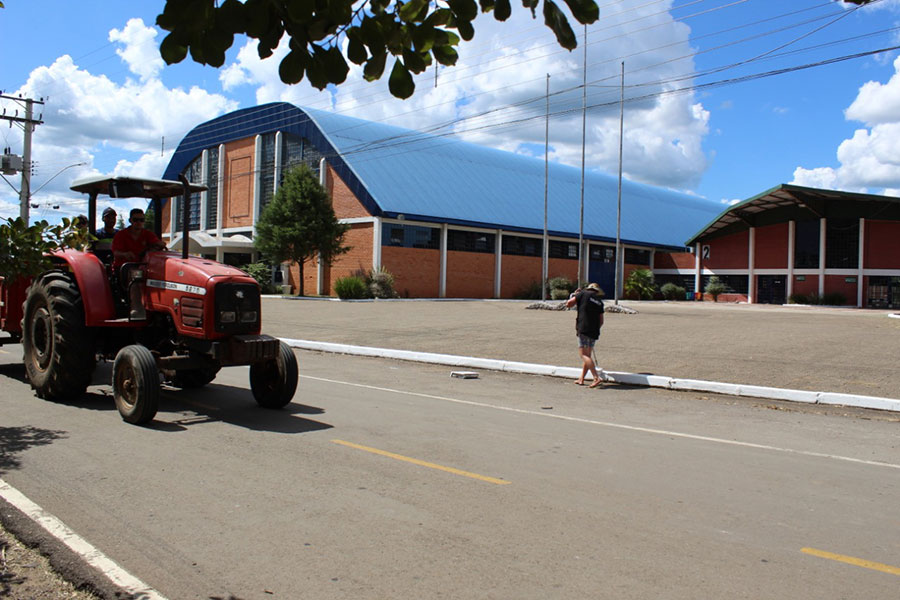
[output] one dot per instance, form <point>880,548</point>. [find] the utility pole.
<point>581,275</point>
<point>545,253</point>
<point>28,122</point>
<point>619,257</point>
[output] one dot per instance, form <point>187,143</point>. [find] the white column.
<point>442,285</point>
<point>257,178</point>
<point>585,262</point>
<point>220,199</point>
<point>204,196</point>
<point>860,266</point>
<point>279,159</point>
<point>498,261</point>
<point>751,265</point>
<point>822,232</point>
<point>698,268</point>
<point>792,232</point>
<point>377,226</point>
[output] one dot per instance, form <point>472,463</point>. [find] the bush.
<point>671,291</point>
<point>262,273</point>
<point>834,299</point>
<point>560,283</point>
<point>715,288</point>
<point>798,299</point>
<point>351,288</point>
<point>640,284</point>
<point>380,284</point>
<point>559,293</point>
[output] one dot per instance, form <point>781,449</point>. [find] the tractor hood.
<point>191,274</point>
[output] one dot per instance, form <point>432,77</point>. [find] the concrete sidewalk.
<point>830,350</point>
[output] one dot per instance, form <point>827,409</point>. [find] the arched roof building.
<point>446,217</point>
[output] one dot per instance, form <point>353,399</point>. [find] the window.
<point>212,204</point>
<point>564,250</point>
<point>806,245</point>
<point>605,254</point>
<point>296,150</point>
<point>522,246</point>
<point>734,284</point>
<point>842,243</point>
<point>267,170</point>
<point>411,236</point>
<point>470,241</point>
<point>193,173</point>
<point>883,292</point>
<point>633,256</point>
<point>685,281</point>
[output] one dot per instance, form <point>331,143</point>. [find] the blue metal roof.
<point>396,171</point>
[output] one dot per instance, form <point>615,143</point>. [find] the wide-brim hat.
<point>594,286</point>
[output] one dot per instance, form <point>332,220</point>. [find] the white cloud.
<point>89,118</point>
<point>495,96</point>
<point>870,160</point>
<point>140,51</point>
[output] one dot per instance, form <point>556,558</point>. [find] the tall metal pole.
<point>25,192</point>
<point>545,255</point>
<point>619,200</point>
<point>583,130</point>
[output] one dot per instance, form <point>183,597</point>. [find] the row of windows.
<point>415,236</point>
<point>841,244</point>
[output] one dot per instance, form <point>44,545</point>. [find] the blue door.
<point>602,269</point>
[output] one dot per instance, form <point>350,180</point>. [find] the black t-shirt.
<point>590,309</point>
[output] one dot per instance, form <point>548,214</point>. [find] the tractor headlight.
<point>249,316</point>
<point>227,316</point>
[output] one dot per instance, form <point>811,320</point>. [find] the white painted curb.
<point>660,381</point>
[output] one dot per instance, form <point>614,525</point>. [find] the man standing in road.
<point>587,327</point>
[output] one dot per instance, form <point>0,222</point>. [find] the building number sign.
<point>705,251</point>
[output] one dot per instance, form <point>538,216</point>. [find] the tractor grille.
<point>237,308</point>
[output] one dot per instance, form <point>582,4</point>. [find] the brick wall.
<point>518,273</point>
<point>359,237</point>
<point>345,203</point>
<point>810,285</point>
<point>416,271</point>
<point>882,246</point>
<point>771,248</point>
<point>470,275</point>
<point>674,260</point>
<point>728,252</point>
<point>239,177</point>
<point>838,284</point>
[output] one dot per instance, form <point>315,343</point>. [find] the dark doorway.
<point>602,269</point>
<point>884,292</point>
<point>771,289</point>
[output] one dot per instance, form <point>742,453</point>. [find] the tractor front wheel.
<point>58,348</point>
<point>136,384</point>
<point>274,381</point>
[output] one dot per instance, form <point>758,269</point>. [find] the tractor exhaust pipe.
<point>185,207</point>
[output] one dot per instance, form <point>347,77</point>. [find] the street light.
<point>25,203</point>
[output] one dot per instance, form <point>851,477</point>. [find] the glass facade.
<point>734,284</point>
<point>806,245</point>
<point>841,243</point>
<point>521,246</point>
<point>296,150</point>
<point>470,241</point>
<point>194,174</point>
<point>634,256</point>
<point>563,250</point>
<point>266,170</point>
<point>212,206</point>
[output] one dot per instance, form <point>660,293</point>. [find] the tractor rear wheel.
<point>136,384</point>
<point>58,349</point>
<point>274,381</point>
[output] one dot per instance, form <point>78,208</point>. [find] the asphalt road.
<point>392,480</point>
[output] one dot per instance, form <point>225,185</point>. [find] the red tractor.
<point>198,316</point>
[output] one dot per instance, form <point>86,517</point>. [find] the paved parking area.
<point>809,348</point>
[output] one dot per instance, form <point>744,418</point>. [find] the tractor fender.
<point>93,282</point>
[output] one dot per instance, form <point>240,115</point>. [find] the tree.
<point>299,223</point>
<point>715,288</point>
<point>414,31</point>
<point>640,283</point>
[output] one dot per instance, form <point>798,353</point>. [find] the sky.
<point>723,99</point>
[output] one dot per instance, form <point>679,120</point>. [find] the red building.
<point>794,243</point>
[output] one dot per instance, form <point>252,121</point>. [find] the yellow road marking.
<point>422,463</point>
<point>859,562</point>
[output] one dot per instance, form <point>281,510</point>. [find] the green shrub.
<point>798,299</point>
<point>640,284</point>
<point>350,288</point>
<point>561,283</point>
<point>559,293</point>
<point>380,283</point>
<point>715,288</point>
<point>262,273</point>
<point>671,291</point>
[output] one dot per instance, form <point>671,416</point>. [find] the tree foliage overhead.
<point>414,32</point>
<point>25,249</point>
<point>299,223</point>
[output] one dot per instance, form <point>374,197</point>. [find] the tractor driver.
<point>130,244</point>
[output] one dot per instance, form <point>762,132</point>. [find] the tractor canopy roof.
<point>131,187</point>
